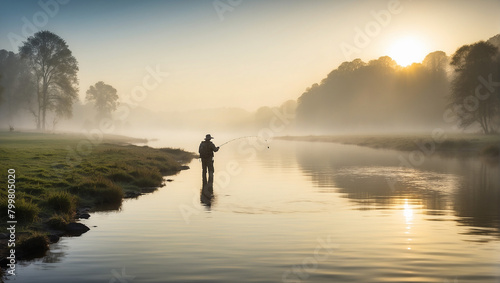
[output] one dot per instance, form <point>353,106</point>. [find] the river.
<point>295,212</point>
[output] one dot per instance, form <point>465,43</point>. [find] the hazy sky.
<point>239,53</point>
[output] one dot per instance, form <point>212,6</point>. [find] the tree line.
<point>42,79</point>
<point>381,94</point>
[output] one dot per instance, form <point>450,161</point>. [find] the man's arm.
<point>215,148</point>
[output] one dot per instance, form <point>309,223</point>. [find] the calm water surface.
<point>296,212</point>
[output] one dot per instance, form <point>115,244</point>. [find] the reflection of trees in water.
<point>469,187</point>
<point>373,179</point>
<point>383,189</point>
<point>477,200</point>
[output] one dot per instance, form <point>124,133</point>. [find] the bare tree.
<point>55,71</point>
<point>105,98</point>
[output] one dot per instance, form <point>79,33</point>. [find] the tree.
<point>105,98</point>
<point>380,93</point>
<point>55,72</point>
<point>474,93</point>
<point>17,83</point>
<point>436,62</point>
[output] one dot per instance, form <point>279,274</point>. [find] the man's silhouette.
<point>206,150</point>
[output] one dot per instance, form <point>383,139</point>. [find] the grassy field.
<point>440,143</point>
<point>57,173</point>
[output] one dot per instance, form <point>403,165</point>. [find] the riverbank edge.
<point>435,143</point>
<point>154,163</point>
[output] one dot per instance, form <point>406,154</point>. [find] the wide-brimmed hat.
<point>208,137</point>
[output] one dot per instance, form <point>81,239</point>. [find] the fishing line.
<point>245,137</point>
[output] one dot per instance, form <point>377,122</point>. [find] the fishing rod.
<point>239,138</point>
<point>245,137</point>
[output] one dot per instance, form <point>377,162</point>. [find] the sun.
<point>407,50</point>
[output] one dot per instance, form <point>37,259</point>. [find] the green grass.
<point>61,201</point>
<point>25,211</point>
<point>56,173</point>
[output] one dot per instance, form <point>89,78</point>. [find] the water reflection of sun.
<point>408,213</point>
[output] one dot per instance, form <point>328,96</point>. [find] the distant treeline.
<point>380,94</point>
<point>39,86</point>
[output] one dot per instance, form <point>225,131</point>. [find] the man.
<point>206,150</point>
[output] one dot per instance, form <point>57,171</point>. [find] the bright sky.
<point>240,53</point>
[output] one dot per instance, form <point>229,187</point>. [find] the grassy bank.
<point>55,174</point>
<point>446,144</point>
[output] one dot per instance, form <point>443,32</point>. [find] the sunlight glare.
<point>406,51</point>
<point>408,213</point>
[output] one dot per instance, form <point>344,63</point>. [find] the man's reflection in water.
<point>207,193</point>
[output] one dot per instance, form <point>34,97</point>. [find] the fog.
<point>355,97</point>
<point>378,95</point>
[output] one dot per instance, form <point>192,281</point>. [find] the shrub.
<point>26,211</point>
<point>34,245</point>
<point>57,222</point>
<point>111,195</point>
<point>61,202</point>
